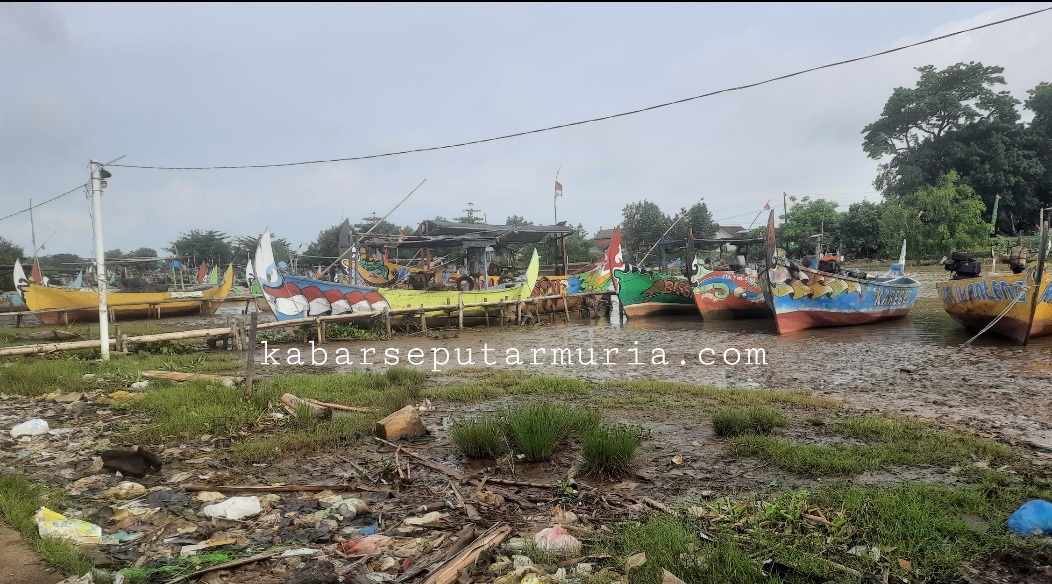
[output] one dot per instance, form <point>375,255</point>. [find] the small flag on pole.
<point>767,206</point>
<point>558,189</point>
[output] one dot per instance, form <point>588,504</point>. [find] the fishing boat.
<point>1016,305</point>
<point>58,305</point>
<point>818,293</point>
<point>294,297</point>
<point>732,290</point>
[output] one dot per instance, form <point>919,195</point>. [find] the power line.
<point>27,209</point>
<point>599,119</point>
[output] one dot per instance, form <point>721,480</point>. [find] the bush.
<point>749,420</point>
<point>609,449</point>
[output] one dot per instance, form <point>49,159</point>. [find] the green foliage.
<point>537,429</point>
<point>244,248</point>
<point>484,437</point>
<point>935,220</point>
<point>642,222</point>
<point>747,420</point>
<point>806,218</point>
<point>517,220</point>
<point>470,215</point>
<point>697,218</point>
<point>860,235</point>
<point>19,501</point>
<point>9,252</point>
<point>956,119</point>
<point>609,449</point>
<point>198,245</point>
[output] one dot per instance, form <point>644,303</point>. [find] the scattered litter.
<point>432,517</point>
<point>234,508</point>
<point>126,490</point>
<point>297,551</point>
<point>556,540</point>
<point>140,384</point>
<point>364,546</point>
<point>1032,518</point>
<point>34,427</point>
<point>52,524</point>
<point>133,463</point>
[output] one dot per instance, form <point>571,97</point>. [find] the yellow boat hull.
<point>398,298</point>
<point>976,302</point>
<point>54,305</point>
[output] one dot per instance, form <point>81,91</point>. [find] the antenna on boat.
<point>358,239</point>
<point>1038,274</point>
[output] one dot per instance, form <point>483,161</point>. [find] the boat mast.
<point>1038,274</point>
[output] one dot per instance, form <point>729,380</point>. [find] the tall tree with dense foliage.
<point>860,235</point>
<point>807,218</point>
<point>198,245</point>
<point>697,218</point>
<point>958,119</point>
<point>9,252</point>
<point>935,220</point>
<point>642,223</point>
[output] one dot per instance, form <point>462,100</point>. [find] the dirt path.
<point>19,564</point>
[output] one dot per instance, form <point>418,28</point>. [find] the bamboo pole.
<point>460,310</point>
<point>251,353</point>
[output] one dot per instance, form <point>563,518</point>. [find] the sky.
<point>244,84</point>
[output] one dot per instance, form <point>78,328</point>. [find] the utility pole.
<point>97,174</point>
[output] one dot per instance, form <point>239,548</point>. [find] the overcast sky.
<point>204,85</point>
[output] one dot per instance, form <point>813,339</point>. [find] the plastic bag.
<point>34,427</point>
<point>557,540</point>
<point>52,524</point>
<point>1032,518</point>
<point>234,508</point>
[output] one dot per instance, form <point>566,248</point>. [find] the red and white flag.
<point>767,206</point>
<point>558,189</point>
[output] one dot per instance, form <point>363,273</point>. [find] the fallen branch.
<point>293,405</point>
<point>450,569</point>
<point>657,505</point>
<point>473,513</point>
<point>340,407</point>
<point>226,566</point>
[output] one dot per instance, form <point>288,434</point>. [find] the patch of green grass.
<point>19,501</point>
<point>891,443</point>
<point>536,429</point>
<point>711,396</point>
<point>464,392</point>
<point>351,331</point>
<point>548,385</point>
<point>747,420</point>
<point>341,430</point>
<point>495,385</point>
<point>387,391</point>
<point>195,408</point>
<point>609,449</point>
<point>483,437</point>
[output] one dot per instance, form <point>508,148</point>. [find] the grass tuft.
<point>19,501</point>
<point>536,429</point>
<point>484,437</point>
<point>748,420</point>
<point>609,449</point>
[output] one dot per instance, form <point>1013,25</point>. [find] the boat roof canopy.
<point>436,233</point>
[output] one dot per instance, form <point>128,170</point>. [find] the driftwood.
<point>179,376</point>
<point>405,422</point>
<point>472,512</point>
<point>294,405</point>
<point>52,335</point>
<point>462,538</point>
<point>340,407</point>
<point>450,569</point>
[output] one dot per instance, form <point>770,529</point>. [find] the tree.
<point>142,252</point>
<point>326,245</point>
<point>935,220</point>
<point>517,220</point>
<point>115,254</point>
<point>956,120</point>
<point>697,218</point>
<point>384,227</point>
<point>470,216</point>
<point>809,218</point>
<point>9,252</point>
<point>197,246</point>
<point>860,235</point>
<point>642,223</point>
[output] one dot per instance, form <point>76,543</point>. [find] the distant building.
<point>729,232</point>
<point>602,238</point>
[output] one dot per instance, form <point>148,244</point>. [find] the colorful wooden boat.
<point>803,297</point>
<point>723,295</point>
<point>1017,306</point>
<point>512,292</point>
<point>643,294</point>
<point>57,305</point>
<point>254,289</point>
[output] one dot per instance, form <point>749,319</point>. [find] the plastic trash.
<point>34,427</point>
<point>234,508</point>
<point>140,384</point>
<point>52,524</point>
<point>557,540</point>
<point>1032,518</point>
